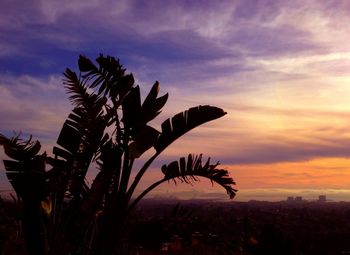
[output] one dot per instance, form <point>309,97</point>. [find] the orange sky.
<point>281,70</point>
<point>276,181</point>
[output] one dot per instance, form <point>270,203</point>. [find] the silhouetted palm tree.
<point>64,214</point>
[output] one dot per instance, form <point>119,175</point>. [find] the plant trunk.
<point>33,227</point>
<point>111,232</point>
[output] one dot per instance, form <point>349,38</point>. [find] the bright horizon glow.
<point>281,70</point>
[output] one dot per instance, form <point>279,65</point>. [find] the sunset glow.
<point>280,69</point>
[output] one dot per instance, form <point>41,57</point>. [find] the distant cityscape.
<point>291,226</point>
<point>162,226</point>
<point>298,199</point>
<point>290,199</point>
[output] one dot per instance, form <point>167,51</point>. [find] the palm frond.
<point>79,140</point>
<point>80,96</point>
<point>189,172</point>
<point>76,88</point>
<point>136,117</point>
<point>19,149</point>
<point>71,134</point>
<point>183,122</point>
<point>153,104</point>
<point>107,180</point>
<point>26,172</point>
<point>109,77</point>
<point>132,108</point>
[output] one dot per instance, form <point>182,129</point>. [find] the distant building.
<point>290,199</point>
<point>298,199</point>
<point>322,198</point>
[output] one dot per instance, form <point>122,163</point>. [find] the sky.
<point>280,69</point>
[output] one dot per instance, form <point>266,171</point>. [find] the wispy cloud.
<point>279,68</point>
<point>32,105</point>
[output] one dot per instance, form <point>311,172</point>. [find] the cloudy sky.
<point>281,70</point>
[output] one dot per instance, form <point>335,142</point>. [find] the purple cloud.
<point>200,51</point>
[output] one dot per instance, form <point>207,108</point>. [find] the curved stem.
<point>144,193</point>
<point>125,173</point>
<point>139,175</point>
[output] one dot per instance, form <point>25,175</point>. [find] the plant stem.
<point>139,175</point>
<point>144,193</point>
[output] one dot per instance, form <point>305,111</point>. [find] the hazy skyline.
<point>281,70</point>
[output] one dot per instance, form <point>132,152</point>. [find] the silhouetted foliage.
<point>62,213</point>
